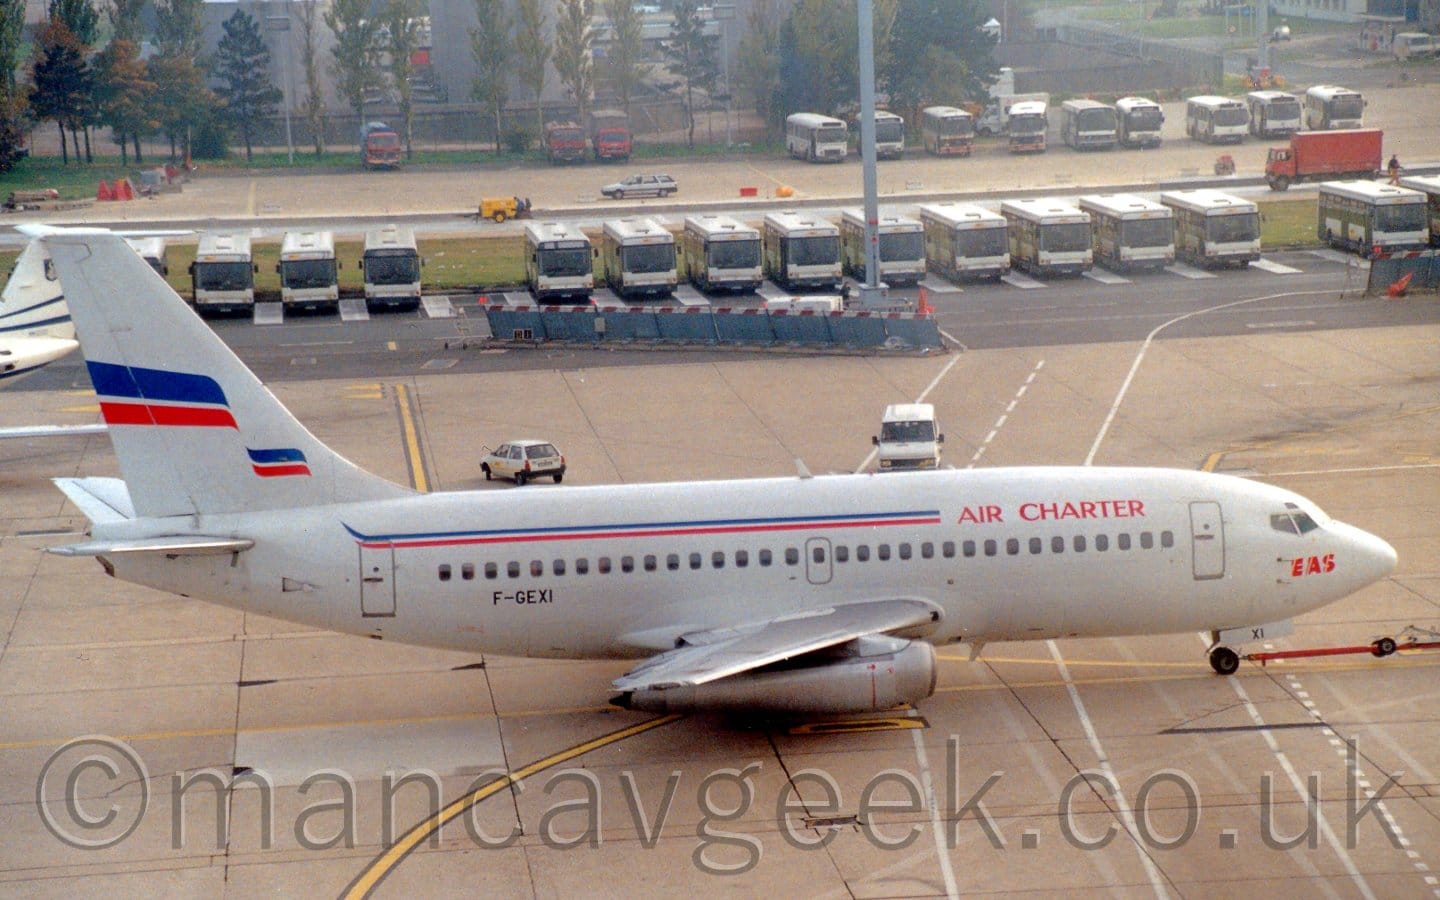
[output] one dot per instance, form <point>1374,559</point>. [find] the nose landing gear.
<point>1224,661</point>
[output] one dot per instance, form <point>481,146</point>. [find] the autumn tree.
<point>356,52</point>
<point>401,18</point>
<point>61,83</point>
<point>12,99</point>
<point>242,66</point>
<point>122,92</point>
<point>490,45</point>
<point>125,21</point>
<point>574,41</point>
<point>181,102</point>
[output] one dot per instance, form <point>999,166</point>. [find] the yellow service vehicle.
<point>498,209</point>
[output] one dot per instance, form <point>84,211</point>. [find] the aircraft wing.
<point>711,655</point>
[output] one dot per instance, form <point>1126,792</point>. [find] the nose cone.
<point>1373,557</point>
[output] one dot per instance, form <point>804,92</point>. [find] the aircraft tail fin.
<point>194,430</point>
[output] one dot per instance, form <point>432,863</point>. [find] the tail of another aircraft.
<point>194,430</point>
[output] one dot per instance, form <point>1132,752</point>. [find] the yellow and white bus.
<point>901,250</point>
<point>802,250</point>
<point>1213,228</point>
<point>816,138</point>
<point>721,253</point>
<point>947,131</point>
<point>639,257</point>
<point>1368,217</point>
<point>1216,120</point>
<point>559,262</point>
<point>1130,232</point>
<point>965,241</point>
<point>1048,237</point>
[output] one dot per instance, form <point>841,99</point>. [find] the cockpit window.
<point>1293,521</point>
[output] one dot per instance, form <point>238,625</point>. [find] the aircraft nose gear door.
<point>1207,540</point>
<point>377,580</point>
<point>817,561</point>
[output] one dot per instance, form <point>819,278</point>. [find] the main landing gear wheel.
<point>1224,661</point>
<point>1383,647</point>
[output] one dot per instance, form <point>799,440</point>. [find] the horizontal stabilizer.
<point>712,655</point>
<point>40,431</point>
<point>168,545</point>
<point>100,499</point>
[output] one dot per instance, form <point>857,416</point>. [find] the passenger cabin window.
<point>742,558</point>
<point>512,569</point>
<point>764,557</point>
<point>491,570</point>
<point>696,561</point>
<point>582,566</point>
<point>672,562</point>
<point>792,556</point>
<point>537,568</point>
<point>445,573</point>
<point>467,571</point>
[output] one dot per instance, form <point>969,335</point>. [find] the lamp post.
<point>277,24</point>
<point>724,13</point>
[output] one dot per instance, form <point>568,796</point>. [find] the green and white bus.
<point>1048,237</point>
<point>901,250</point>
<point>1130,232</point>
<point>802,250</point>
<point>1368,217</point>
<point>559,262</point>
<point>965,241</point>
<point>1213,228</point>
<point>1429,185</point>
<point>721,253</point>
<point>639,257</point>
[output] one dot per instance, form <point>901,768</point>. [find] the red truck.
<point>379,146</point>
<point>1324,155</point>
<point>564,142</point>
<point>610,134</point>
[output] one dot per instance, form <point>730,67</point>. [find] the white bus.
<point>223,273</point>
<point>1368,217</point>
<point>889,135</point>
<point>1328,107</point>
<point>1273,113</point>
<point>901,250</point>
<point>1087,125</point>
<point>1216,120</point>
<point>1130,232</point>
<point>1138,122</point>
<point>309,271</point>
<point>1213,228</point>
<point>639,257</point>
<point>816,138</point>
<point>559,262</point>
<point>1429,185</point>
<point>1048,237</point>
<point>965,241</point>
<point>802,250</point>
<point>721,253</point>
<point>391,265</point>
<point>947,131</point>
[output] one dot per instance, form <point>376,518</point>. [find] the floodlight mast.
<point>872,292</point>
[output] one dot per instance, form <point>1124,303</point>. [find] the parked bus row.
<point>223,273</point>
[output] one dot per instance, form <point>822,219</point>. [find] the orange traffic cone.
<point>124,190</point>
<point>1399,287</point>
<point>103,192</point>
<point>925,307</point>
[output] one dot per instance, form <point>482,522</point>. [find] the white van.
<point>909,437</point>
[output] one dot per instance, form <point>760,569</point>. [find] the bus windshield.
<point>1027,124</point>
<point>1096,120</point>
<point>648,257</point>
<point>1233,228</point>
<point>1147,233</point>
<point>307,273</point>
<point>834,134</point>
<point>813,251</point>
<point>1232,115</point>
<point>907,246</point>
<point>1285,108</point>
<point>733,254</point>
<point>392,268</point>
<point>981,242</point>
<point>564,262</point>
<point>1350,107</point>
<point>1400,217</point>
<point>889,132</point>
<point>1148,119</point>
<point>1065,238</point>
<point>956,126</point>
<point>224,276</point>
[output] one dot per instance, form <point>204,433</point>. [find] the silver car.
<point>641,186</point>
<point>524,460</point>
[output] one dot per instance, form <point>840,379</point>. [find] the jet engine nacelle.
<point>872,673</point>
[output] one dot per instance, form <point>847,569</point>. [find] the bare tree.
<point>534,52</point>
<point>402,20</point>
<point>490,45</point>
<point>313,105</point>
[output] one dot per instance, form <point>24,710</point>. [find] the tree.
<point>625,51</point>
<point>12,26</point>
<point>401,18</point>
<point>242,64</point>
<point>122,91</point>
<point>758,59</point>
<point>356,52</point>
<point>534,54</point>
<point>574,41</point>
<point>957,53</point>
<point>12,132</point>
<point>181,102</point>
<point>61,82</point>
<point>819,54</point>
<point>80,16</point>
<point>313,106</point>
<point>693,54</point>
<point>490,45</point>
<point>125,21</point>
<point>177,28</point>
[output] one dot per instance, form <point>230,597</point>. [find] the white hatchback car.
<point>524,460</point>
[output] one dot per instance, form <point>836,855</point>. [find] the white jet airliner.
<point>35,327</point>
<point>815,594</point>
